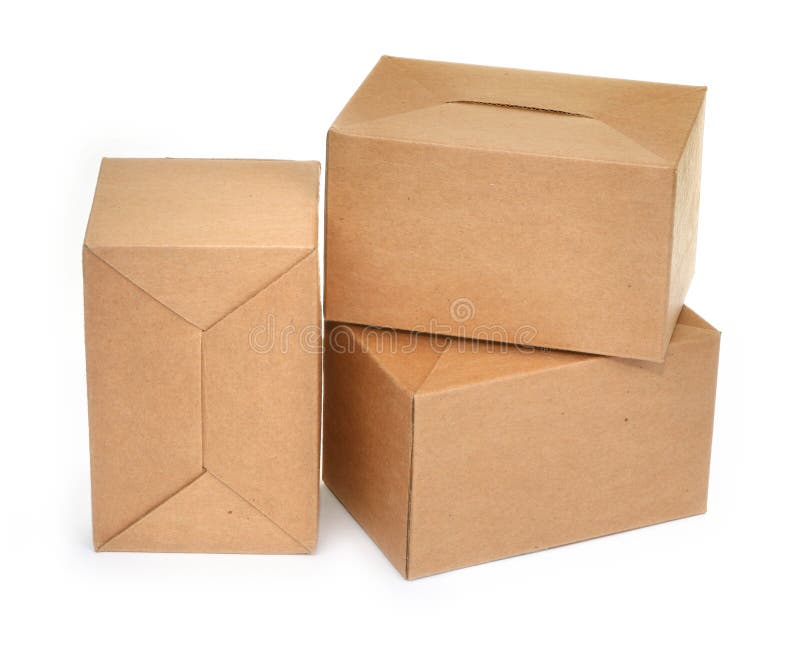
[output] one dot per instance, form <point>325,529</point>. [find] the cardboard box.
<point>452,453</point>
<point>528,207</point>
<point>204,438</point>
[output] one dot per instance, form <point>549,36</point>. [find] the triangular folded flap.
<point>467,362</point>
<point>473,362</point>
<point>407,357</point>
<point>205,517</point>
<point>397,86</point>
<point>201,284</point>
<point>510,129</point>
<point>692,319</point>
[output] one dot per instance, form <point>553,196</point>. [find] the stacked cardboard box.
<point>487,217</point>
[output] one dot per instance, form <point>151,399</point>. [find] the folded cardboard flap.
<point>657,116</point>
<point>510,129</point>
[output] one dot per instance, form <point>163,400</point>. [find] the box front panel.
<point>367,445</point>
<point>555,252</point>
<point>508,467</point>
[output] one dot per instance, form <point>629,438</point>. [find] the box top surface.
<point>518,111</point>
<point>196,203</point>
<point>421,364</point>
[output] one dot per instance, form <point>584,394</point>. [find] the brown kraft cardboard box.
<point>204,431</point>
<point>563,208</point>
<point>451,452</point>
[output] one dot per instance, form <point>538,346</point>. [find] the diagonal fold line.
<point>430,372</point>
<point>435,99</point>
<point>261,512</point>
<point>150,295</point>
<point>619,113</point>
<point>677,95</point>
<point>151,510</point>
<point>202,401</point>
<point>138,287</point>
<point>266,286</point>
<point>599,116</point>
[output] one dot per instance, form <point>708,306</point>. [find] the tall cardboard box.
<point>538,208</point>
<point>200,278</point>
<point>452,453</point>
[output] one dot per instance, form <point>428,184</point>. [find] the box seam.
<point>266,286</point>
<point>498,150</point>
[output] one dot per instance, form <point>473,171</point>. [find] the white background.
<point>83,80</point>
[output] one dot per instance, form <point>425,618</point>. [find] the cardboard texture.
<point>453,456</point>
<point>200,440</point>
<point>555,206</point>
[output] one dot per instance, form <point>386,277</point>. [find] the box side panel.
<point>261,401</point>
<point>367,447</point>
<point>556,252</point>
<point>513,466</point>
<point>684,238</point>
<point>143,375</point>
